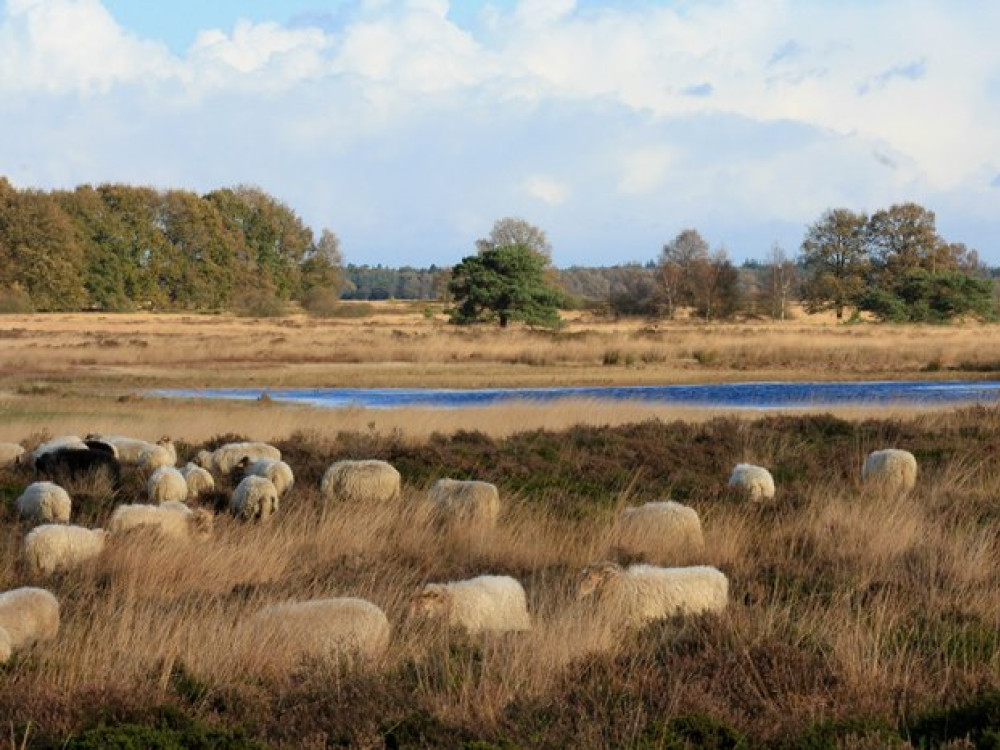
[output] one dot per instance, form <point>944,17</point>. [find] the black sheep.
<point>71,463</point>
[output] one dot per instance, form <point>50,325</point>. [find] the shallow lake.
<point>766,395</point>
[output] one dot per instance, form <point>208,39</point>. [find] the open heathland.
<point>82,372</point>
<point>855,618</point>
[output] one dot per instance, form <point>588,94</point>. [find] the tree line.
<point>119,247</point>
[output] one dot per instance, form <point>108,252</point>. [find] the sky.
<point>409,127</point>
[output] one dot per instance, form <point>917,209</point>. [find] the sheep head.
<point>432,601</point>
<point>593,577</point>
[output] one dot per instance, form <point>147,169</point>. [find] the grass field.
<point>856,619</point>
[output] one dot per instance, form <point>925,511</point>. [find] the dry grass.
<point>124,352</point>
<point>844,604</point>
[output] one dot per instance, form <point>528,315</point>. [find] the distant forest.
<point>119,248</point>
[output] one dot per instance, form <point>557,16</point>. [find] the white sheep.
<point>10,453</point>
<point>199,480</point>
<point>171,519</point>
<point>495,603</point>
<point>278,472</point>
<point>255,498</point>
<point>465,501</point>
<point>659,530</point>
<point>360,481</point>
<point>166,484</point>
<point>44,502</point>
<point>27,615</point>
<point>225,458</point>
<point>639,594</point>
<point>892,468</point>
<point>53,547</point>
<point>128,450</point>
<point>156,457</point>
<point>323,627</point>
<point>755,481</point>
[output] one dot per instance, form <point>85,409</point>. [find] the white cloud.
<point>58,46</point>
<point>546,189</point>
<point>652,115</point>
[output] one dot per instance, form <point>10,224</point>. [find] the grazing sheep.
<point>465,501</point>
<point>130,450</point>
<point>66,441</point>
<point>755,481</point>
<point>156,457</point>
<point>278,472</point>
<point>658,530</point>
<point>53,547</point>
<point>166,484</point>
<point>70,464</point>
<point>324,627</point>
<point>225,458</point>
<point>172,519</point>
<point>255,498</point>
<point>199,480</point>
<point>494,603</point>
<point>892,468</point>
<point>639,594</point>
<point>44,502</point>
<point>10,453</point>
<point>27,615</point>
<point>359,481</point>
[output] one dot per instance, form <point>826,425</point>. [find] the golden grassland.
<point>856,617</point>
<point>93,372</point>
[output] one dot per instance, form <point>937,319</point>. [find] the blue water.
<point>770,395</point>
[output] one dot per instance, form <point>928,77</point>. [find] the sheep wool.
<point>53,547</point>
<point>278,472</point>
<point>324,627</point>
<point>156,457</point>
<point>166,484</point>
<point>470,501</point>
<point>254,499</point>
<point>360,481</point>
<point>171,519</point>
<point>27,615</point>
<point>44,502</point>
<point>10,453</point>
<point>130,450</point>
<point>225,458</point>
<point>891,468</point>
<point>199,480</point>
<point>659,530</point>
<point>755,481</point>
<point>493,603</point>
<point>639,594</point>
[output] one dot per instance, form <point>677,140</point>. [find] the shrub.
<point>14,301</point>
<point>259,303</point>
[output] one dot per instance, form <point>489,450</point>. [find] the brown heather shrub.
<point>855,620</point>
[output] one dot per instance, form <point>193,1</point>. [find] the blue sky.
<point>409,126</point>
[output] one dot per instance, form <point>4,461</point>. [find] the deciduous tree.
<point>835,261</point>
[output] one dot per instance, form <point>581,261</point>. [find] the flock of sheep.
<point>631,596</point>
